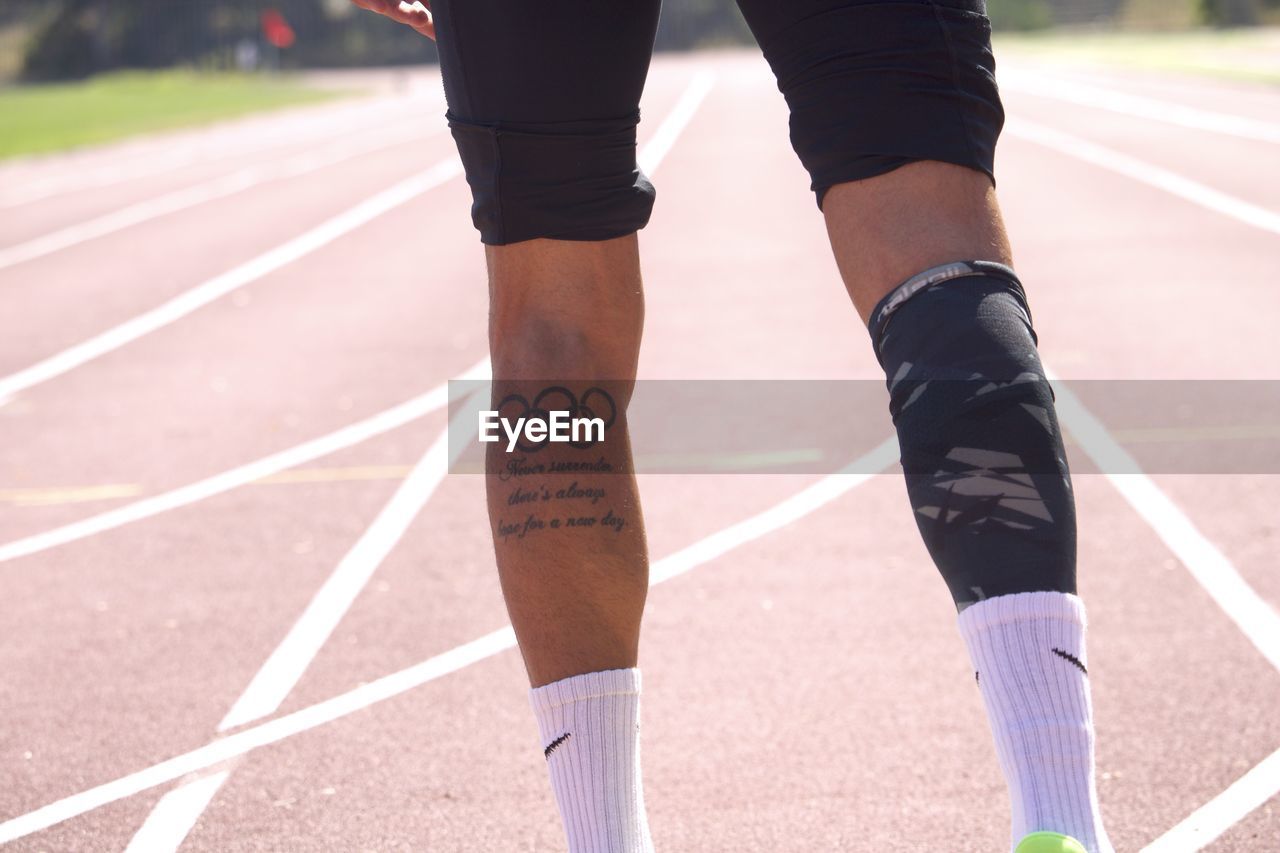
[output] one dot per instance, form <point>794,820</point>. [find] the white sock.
<point>590,727</point>
<point>1028,652</point>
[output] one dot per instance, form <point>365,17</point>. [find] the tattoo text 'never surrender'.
<point>539,505</point>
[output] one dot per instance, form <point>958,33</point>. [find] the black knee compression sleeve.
<point>981,448</point>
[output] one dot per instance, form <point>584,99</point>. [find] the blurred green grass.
<point>42,118</point>
<point>1242,54</point>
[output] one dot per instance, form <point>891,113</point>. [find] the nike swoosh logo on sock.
<point>551,747</point>
<point>1067,656</point>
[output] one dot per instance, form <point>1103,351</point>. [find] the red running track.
<point>805,690</point>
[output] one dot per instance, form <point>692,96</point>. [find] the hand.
<point>415,14</point>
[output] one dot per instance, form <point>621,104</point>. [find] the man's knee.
<point>576,333</point>
<point>553,348</point>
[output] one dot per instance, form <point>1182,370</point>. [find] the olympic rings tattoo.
<point>594,402</point>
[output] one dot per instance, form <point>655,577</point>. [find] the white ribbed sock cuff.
<point>1028,651</point>
<point>590,728</point>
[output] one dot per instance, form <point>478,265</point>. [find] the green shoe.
<point>1049,842</point>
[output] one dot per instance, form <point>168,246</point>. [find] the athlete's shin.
<point>569,538</point>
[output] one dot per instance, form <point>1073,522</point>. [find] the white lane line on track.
<point>193,196</point>
<point>1256,619</point>
<point>1138,170</point>
<point>1207,564</point>
<point>291,658</point>
<point>219,286</point>
<point>778,516</point>
<point>182,807</point>
<point>1224,811</point>
<point>1139,106</point>
<point>242,742</point>
<point>656,149</point>
<point>172,818</point>
<point>240,138</point>
<point>385,421</point>
<point>178,810</point>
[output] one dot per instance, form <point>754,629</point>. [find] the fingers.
<point>413,14</point>
<point>418,16</point>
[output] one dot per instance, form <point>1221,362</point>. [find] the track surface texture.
<point>806,689</point>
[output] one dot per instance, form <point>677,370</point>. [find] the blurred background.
<point>125,66</point>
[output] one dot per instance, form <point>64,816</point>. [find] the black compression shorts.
<point>543,99</point>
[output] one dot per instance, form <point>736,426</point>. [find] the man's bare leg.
<point>568,314</point>
<point>925,258</point>
<point>564,333</point>
<point>550,152</point>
